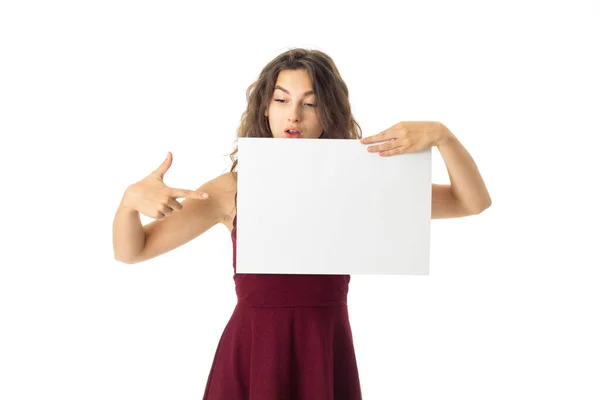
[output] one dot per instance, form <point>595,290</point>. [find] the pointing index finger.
<point>188,194</point>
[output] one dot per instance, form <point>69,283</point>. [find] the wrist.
<point>125,205</point>
<point>444,136</point>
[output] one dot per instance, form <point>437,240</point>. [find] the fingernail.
<point>204,195</point>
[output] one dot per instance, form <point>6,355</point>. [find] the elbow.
<point>482,207</point>
<point>124,260</point>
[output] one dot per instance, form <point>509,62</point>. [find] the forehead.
<point>295,80</point>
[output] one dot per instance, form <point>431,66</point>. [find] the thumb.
<point>164,167</point>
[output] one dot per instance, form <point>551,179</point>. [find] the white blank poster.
<point>327,206</point>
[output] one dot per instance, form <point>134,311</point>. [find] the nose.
<point>294,115</point>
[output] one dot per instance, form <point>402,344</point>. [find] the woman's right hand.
<point>153,198</point>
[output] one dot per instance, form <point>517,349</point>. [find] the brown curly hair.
<point>333,104</point>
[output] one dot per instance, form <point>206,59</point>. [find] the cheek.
<point>317,123</point>
<point>274,113</point>
<point>272,117</point>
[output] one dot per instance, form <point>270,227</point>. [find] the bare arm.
<point>128,233</point>
<point>466,184</point>
<point>134,243</point>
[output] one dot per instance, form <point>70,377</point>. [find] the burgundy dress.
<point>288,338</point>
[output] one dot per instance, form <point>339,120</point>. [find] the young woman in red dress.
<point>289,336</point>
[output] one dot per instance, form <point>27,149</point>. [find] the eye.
<point>283,101</point>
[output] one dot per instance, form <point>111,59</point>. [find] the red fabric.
<point>288,338</point>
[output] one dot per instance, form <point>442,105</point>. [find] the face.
<point>294,106</point>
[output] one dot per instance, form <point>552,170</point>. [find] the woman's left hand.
<point>408,137</point>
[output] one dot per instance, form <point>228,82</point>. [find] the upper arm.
<point>444,204</point>
<point>196,217</point>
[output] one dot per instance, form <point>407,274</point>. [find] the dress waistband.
<point>275,290</point>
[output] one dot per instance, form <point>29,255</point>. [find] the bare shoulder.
<point>224,188</point>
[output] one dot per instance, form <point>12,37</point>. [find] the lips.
<point>293,132</point>
<point>292,135</point>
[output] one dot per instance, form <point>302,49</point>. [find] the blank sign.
<point>327,206</point>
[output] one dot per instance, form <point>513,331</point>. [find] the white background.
<point>94,94</point>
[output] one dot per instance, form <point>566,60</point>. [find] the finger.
<point>164,167</point>
<point>380,137</point>
<point>188,194</point>
<point>396,150</point>
<point>174,204</point>
<point>385,146</point>
<point>165,210</point>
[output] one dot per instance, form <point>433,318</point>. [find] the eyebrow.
<point>285,90</point>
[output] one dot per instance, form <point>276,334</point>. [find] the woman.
<point>289,336</point>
